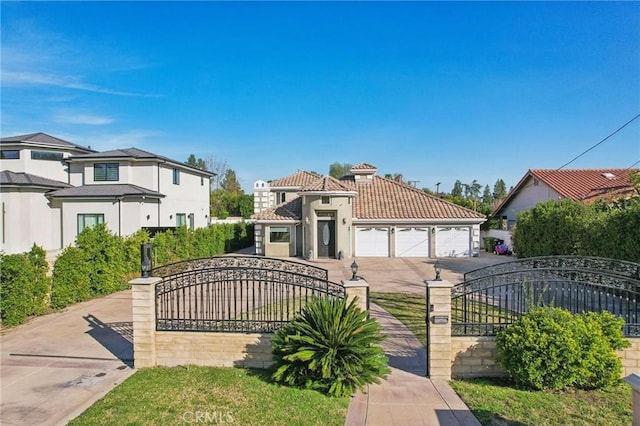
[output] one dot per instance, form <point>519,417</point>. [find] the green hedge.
<point>101,263</point>
<point>25,285</point>
<point>571,228</point>
<point>551,348</point>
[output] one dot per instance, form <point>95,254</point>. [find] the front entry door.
<point>326,238</point>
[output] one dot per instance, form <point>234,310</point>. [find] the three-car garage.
<point>413,241</point>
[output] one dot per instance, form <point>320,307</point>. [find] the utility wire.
<point>610,135</point>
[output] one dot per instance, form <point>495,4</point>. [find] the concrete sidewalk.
<point>406,397</point>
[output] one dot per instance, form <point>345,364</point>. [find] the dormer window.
<point>106,172</point>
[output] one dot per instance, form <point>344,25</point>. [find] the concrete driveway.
<point>56,366</point>
<point>406,274</point>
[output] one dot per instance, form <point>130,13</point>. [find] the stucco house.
<point>361,214</point>
<point>50,197</point>
<point>584,185</point>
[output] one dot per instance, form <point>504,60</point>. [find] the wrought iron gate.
<point>236,293</point>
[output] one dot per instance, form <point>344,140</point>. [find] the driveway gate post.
<point>439,329</point>
<point>143,303</point>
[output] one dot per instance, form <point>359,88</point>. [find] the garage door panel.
<point>453,242</point>
<point>412,242</point>
<point>372,242</point>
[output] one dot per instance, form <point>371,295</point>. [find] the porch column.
<point>357,288</point>
<point>439,329</point>
<point>143,304</point>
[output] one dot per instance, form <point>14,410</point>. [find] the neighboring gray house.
<point>53,189</point>
<point>362,214</point>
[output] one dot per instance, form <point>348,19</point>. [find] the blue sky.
<point>435,91</point>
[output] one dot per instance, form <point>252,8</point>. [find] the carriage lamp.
<point>438,269</point>
<point>354,271</point>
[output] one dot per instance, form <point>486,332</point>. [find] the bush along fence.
<point>223,311</point>
<point>100,263</point>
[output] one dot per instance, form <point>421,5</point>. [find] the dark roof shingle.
<point>46,139</point>
<point>108,190</point>
<point>8,177</point>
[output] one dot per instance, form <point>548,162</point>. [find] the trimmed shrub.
<point>132,245</point>
<point>71,274</point>
<point>25,285</point>
<point>105,254</point>
<point>332,347</point>
<point>551,348</point>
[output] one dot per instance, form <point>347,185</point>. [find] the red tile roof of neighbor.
<point>380,198</point>
<point>363,166</point>
<point>587,184</point>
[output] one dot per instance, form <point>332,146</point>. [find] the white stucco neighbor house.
<point>52,189</point>
<point>359,215</point>
<point>584,185</point>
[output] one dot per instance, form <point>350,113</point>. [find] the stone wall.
<point>213,349</point>
<point>475,357</point>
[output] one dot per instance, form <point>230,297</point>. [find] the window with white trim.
<point>279,234</point>
<point>176,177</point>
<point>89,220</point>
<point>181,219</point>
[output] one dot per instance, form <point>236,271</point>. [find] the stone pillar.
<point>634,381</point>
<point>143,302</point>
<point>439,332</point>
<point>357,288</point>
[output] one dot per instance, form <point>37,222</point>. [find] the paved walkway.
<point>406,397</point>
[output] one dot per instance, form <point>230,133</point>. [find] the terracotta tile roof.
<point>363,166</point>
<point>379,199</point>
<point>298,180</point>
<point>586,184</point>
<point>290,210</point>
<point>387,199</point>
<point>327,184</point>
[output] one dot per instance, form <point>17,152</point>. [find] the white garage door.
<point>372,242</point>
<point>453,242</point>
<point>412,242</point>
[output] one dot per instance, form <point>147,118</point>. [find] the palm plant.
<point>332,347</point>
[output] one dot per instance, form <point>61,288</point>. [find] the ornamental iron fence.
<point>491,298</point>
<point>237,293</point>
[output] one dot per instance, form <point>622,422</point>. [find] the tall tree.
<point>219,167</point>
<point>457,189</point>
<point>198,163</point>
<point>487,196</point>
<point>474,190</point>
<point>499,190</point>
<point>337,170</point>
<point>230,183</point>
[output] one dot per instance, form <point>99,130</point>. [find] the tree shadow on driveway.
<point>116,337</point>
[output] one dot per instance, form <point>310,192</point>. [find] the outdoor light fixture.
<point>354,271</point>
<point>438,269</point>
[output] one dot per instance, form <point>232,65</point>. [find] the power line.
<point>610,135</point>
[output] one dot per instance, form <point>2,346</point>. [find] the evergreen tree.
<point>457,189</point>
<point>499,190</point>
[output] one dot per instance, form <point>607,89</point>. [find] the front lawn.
<point>497,402</point>
<point>181,395</point>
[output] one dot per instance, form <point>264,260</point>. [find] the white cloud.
<point>22,78</point>
<point>70,117</point>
